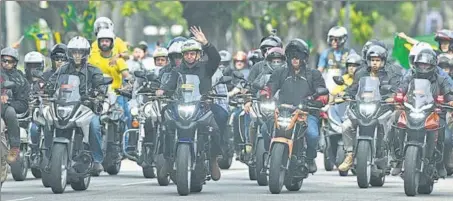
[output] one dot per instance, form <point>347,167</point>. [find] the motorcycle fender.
<point>48,114</point>
<point>413,143</point>
<point>23,135</point>
<point>288,142</point>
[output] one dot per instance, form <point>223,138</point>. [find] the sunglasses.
<point>60,59</point>
<point>7,61</point>
<point>335,39</point>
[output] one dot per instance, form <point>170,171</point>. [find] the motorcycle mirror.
<point>338,80</point>
<point>150,76</point>
<point>385,89</point>
<point>8,85</point>
<point>140,74</point>
<point>322,91</point>
<point>238,74</point>
<point>225,79</point>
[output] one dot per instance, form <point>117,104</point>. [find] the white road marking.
<point>27,198</point>
<point>130,184</point>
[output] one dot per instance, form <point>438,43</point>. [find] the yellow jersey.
<point>118,47</point>
<point>114,71</point>
<point>347,82</point>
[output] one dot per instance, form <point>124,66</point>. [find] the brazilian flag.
<point>401,48</point>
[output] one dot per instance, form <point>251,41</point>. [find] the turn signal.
<point>440,99</point>
<point>135,123</point>
<point>399,97</point>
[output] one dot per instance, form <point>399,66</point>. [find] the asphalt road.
<point>129,184</point>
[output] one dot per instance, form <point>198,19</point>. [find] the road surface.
<point>130,185</point>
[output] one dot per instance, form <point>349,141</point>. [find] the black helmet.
<point>59,51</point>
<point>254,57</point>
<point>376,51</point>
<point>269,42</point>
<point>354,59</point>
<point>368,44</point>
<point>425,63</point>
<point>297,47</point>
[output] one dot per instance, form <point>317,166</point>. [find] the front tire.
<point>183,169</point>
<point>328,165</point>
<point>411,171</point>
<point>225,163</point>
<point>363,167</point>
<point>163,177</point>
<point>36,172</point>
<point>58,168</point>
<point>19,169</point>
<point>276,171</point>
<point>260,154</point>
<point>81,184</point>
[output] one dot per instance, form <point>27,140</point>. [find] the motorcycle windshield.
<point>68,90</point>
<point>188,89</point>
<point>368,90</point>
<point>419,93</point>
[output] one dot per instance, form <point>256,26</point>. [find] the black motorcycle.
<point>188,149</point>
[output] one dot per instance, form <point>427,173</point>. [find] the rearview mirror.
<point>225,79</point>
<point>385,89</point>
<point>8,85</point>
<point>151,76</point>
<point>107,80</point>
<point>140,74</point>
<point>322,91</point>
<point>338,80</point>
<point>238,74</point>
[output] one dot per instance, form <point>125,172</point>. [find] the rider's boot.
<point>215,169</point>
<point>13,155</point>
<point>347,163</point>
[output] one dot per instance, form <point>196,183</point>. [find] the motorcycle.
<point>70,159</point>
<point>420,122</point>
<point>113,125</point>
<point>372,115</point>
<point>146,105</point>
<point>19,169</point>
<point>334,153</point>
<point>284,163</point>
<point>188,149</point>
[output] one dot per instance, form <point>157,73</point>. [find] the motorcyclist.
<point>136,61</point>
<point>254,57</point>
<point>353,62</point>
<point>117,70</point>
<point>240,64</point>
<point>90,76</point>
<point>297,83</point>
<point>119,51</point>
<point>425,63</point>
<point>34,65</point>
<point>58,56</point>
<point>335,56</point>
<point>443,37</point>
<point>160,56</point>
<point>445,62</point>
<point>174,55</point>
<point>192,64</point>
<point>376,61</point>
<point>266,44</point>
<point>15,103</point>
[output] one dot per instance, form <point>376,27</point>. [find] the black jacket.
<point>204,70</point>
<point>295,88</point>
<point>258,70</point>
<point>89,76</point>
<point>439,85</point>
<point>21,91</point>
<point>385,74</point>
<point>48,73</point>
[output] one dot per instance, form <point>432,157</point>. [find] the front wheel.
<point>183,169</point>
<point>114,169</point>
<point>19,169</point>
<point>412,165</point>
<point>225,163</point>
<point>277,171</point>
<point>363,167</point>
<point>162,167</point>
<point>260,154</point>
<point>58,168</point>
<point>328,165</point>
<point>81,184</point>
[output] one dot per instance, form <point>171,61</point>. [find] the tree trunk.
<point>13,22</point>
<point>118,19</point>
<point>105,10</point>
<point>134,28</point>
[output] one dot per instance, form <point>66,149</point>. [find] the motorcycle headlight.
<point>134,111</point>
<point>417,115</point>
<point>283,121</point>
<point>64,111</point>
<point>186,111</point>
<point>267,108</point>
<point>148,109</point>
<point>116,112</point>
<point>367,109</point>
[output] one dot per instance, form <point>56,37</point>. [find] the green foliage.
<point>406,11</point>
<point>302,10</point>
<point>246,23</point>
<point>361,24</point>
<point>131,7</point>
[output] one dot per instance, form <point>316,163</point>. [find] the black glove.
<point>314,103</point>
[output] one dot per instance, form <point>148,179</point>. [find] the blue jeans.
<point>123,102</point>
<point>237,111</point>
<point>95,139</point>
<point>312,136</point>
<point>221,118</point>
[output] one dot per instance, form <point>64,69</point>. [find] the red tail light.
<point>399,98</point>
<point>440,99</point>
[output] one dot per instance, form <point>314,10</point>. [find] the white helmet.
<point>338,32</point>
<point>191,45</point>
<point>102,23</point>
<point>34,57</point>
<point>78,44</point>
<point>160,52</point>
<point>175,48</point>
<point>416,49</point>
<point>106,34</point>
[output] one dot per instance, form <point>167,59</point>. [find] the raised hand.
<point>199,35</point>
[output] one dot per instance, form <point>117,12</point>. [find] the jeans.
<point>312,136</point>
<point>221,118</point>
<point>122,101</point>
<point>236,124</point>
<point>95,140</point>
<point>10,117</point>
